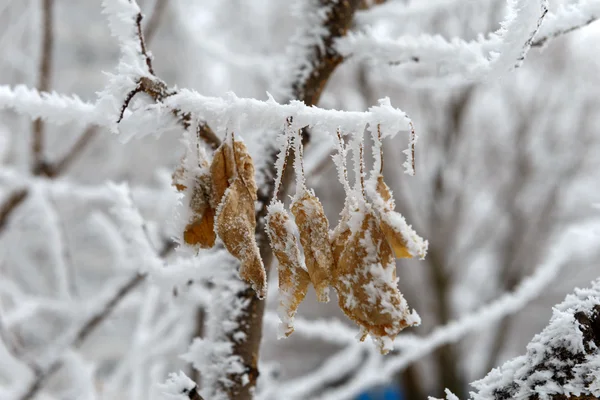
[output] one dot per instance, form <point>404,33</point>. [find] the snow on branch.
<point>566,19</point>
<point>562,360</point>
<point>124,21</point>
<point>311,55</point>
<point>414,348</point>
<point>247,113</point>
<point>52,107</point>
<point>502,51</point>
<point>180,387</point>
<point>393,11</point>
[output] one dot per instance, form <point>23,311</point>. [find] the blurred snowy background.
<point>505,169</point>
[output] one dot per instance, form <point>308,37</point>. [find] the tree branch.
<point>155,18</point>
<point>45,72</point>
<point>10,204</point>
<point>337,23</point>
<point>90,325</point>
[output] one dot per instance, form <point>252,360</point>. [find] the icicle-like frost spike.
<point>366,283</point>
<point>314,230</point>
<point>234,190</point>
<point>341,233</point>
<point>235,224</point>
<point>293,277</point>
<point>281,162</point>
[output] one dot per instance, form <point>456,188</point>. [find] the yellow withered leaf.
<point>365,280</point>
<point>245,167</point>
<point>222,170</point>
<point>339,237</point>
<point>395,238</point>
<point>393,225</point>
<point>201,232</point>
<point>293,278</point>
<point>314,236</point>
<point>385,193</point>
<point>235,224</point>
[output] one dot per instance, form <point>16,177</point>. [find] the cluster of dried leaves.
<point>356,259</point>
<point>222,200</point>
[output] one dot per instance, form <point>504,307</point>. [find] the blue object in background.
<point>390,392</point>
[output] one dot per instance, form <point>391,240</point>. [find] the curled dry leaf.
<point>199,231</point>
<point>405,242</point>
<point>222,170</point>
<point>233,195</point>
<point>293,278</point>
<point>366,283</point>
<point>340,236</point>
<point>245,167</point>
<point>314,236</point>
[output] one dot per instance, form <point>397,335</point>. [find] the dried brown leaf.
<point>395,239</point>
<point>293,278</point>
<point>235,225</point>
<point>245,167</point>
<point>201,231</point>
<point>222,170</point>
<point>365,280</point>
<point>394,227</point>
<point>314,236</point>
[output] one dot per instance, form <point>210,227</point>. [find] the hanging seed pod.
<point>366,283</point>
<point>293,278</point>
<point>314,236</point>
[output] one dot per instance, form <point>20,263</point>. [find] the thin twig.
<point>324,61</point>
<point>154,20</point>
<point>543,40</point>
<point>194,395</point>
<point>366,4</point>
<point>86,138</point>
<point>60,166</point>
<point>45,72</point>
<point>138,23</point>
<point>10,204</point>
<point>89,326</point>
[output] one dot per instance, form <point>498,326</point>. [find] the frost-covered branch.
<point>312,57</point>
<point>9,204</point>
<point>501,51</point>
<point>566,19</point>
<point>411,348</point>
<point>45,73</point>
<point>99,311</point>
<point>563,361</point>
